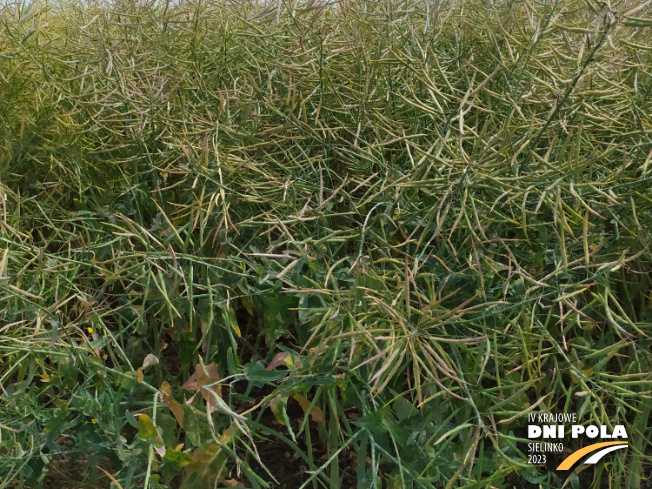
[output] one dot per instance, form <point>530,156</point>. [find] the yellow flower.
<point>90,330</point>
<point>93,421</point>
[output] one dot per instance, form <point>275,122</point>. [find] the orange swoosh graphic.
<point>575,456</point>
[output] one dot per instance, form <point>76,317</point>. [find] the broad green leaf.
<point>257,373</point>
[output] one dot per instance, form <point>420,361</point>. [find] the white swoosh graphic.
<point>598,455</point>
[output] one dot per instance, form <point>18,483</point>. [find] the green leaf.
<point>256,372</point>
<point>175,461</point>
<point>575,480</point>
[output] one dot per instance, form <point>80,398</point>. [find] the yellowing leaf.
<point>575,376</point>
<point>227,434</point>
<point>278,406</point>
<point>148,432</point>
<point>146,428</point>
<point>247,305</point>
<point>103,269</point>
<point>204,454</point>
<point>315,412</point>
<point>234,322</point>
<point>207,466</point>
<point>180,458</point>
<point>173,405</point>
